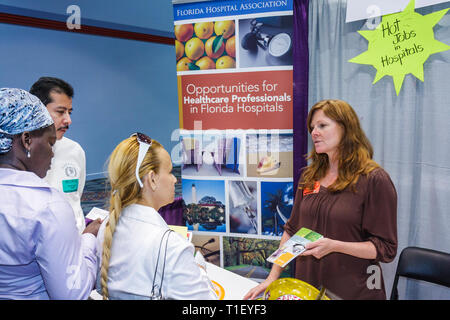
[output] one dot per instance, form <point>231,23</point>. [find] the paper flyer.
<point>183,231</point>
<point>96,213</point>
<point>293,247</point>
<point>228,285</point>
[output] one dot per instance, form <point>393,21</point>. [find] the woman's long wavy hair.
<point>354,151</point>
<point>125,190</point>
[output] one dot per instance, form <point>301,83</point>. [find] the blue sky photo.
<point>212,188</point>
<point>286,200</point>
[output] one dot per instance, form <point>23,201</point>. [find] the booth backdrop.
<point>409,132</point>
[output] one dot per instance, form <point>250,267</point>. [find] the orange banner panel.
<point>245,100</point>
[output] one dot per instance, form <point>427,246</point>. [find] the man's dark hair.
<point>45,85</point>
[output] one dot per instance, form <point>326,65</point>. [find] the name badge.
<point>70,185</point>
<point>316,189</point>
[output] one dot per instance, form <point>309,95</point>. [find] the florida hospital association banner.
<point>235,75</point>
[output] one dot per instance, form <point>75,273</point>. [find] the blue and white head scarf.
<point>20,111</point>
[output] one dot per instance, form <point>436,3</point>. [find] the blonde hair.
<point>355,150</point>
<point>125,190</point>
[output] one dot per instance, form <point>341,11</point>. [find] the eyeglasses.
<point>144,144</point>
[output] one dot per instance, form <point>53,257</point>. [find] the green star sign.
<point>401,44</point>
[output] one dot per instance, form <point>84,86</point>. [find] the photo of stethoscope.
<point>277,45</point>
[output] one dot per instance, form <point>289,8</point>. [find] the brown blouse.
<point>369,214</point>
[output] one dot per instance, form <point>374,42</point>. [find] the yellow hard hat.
<point>291,289</point>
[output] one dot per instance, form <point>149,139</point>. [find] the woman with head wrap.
<point>42,256</point>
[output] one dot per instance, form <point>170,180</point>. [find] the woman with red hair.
<point>348,198</point>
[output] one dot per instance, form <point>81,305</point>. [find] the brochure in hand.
<point>293,247</point>
<point>97,213</point>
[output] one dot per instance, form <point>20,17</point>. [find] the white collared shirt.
<point>68,174</point>
<point>134,254</point>
<point>42,255</point>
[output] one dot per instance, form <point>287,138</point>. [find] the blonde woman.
<point>140,257</point>
<point>348,198</point>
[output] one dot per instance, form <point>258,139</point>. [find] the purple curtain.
<point>301,67</point>
<point>173,212</point>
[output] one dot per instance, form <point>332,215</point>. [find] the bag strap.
<point>154,285</point>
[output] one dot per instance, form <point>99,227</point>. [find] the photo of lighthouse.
<point>205,205</point>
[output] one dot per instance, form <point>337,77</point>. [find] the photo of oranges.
<point>205,45</point>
